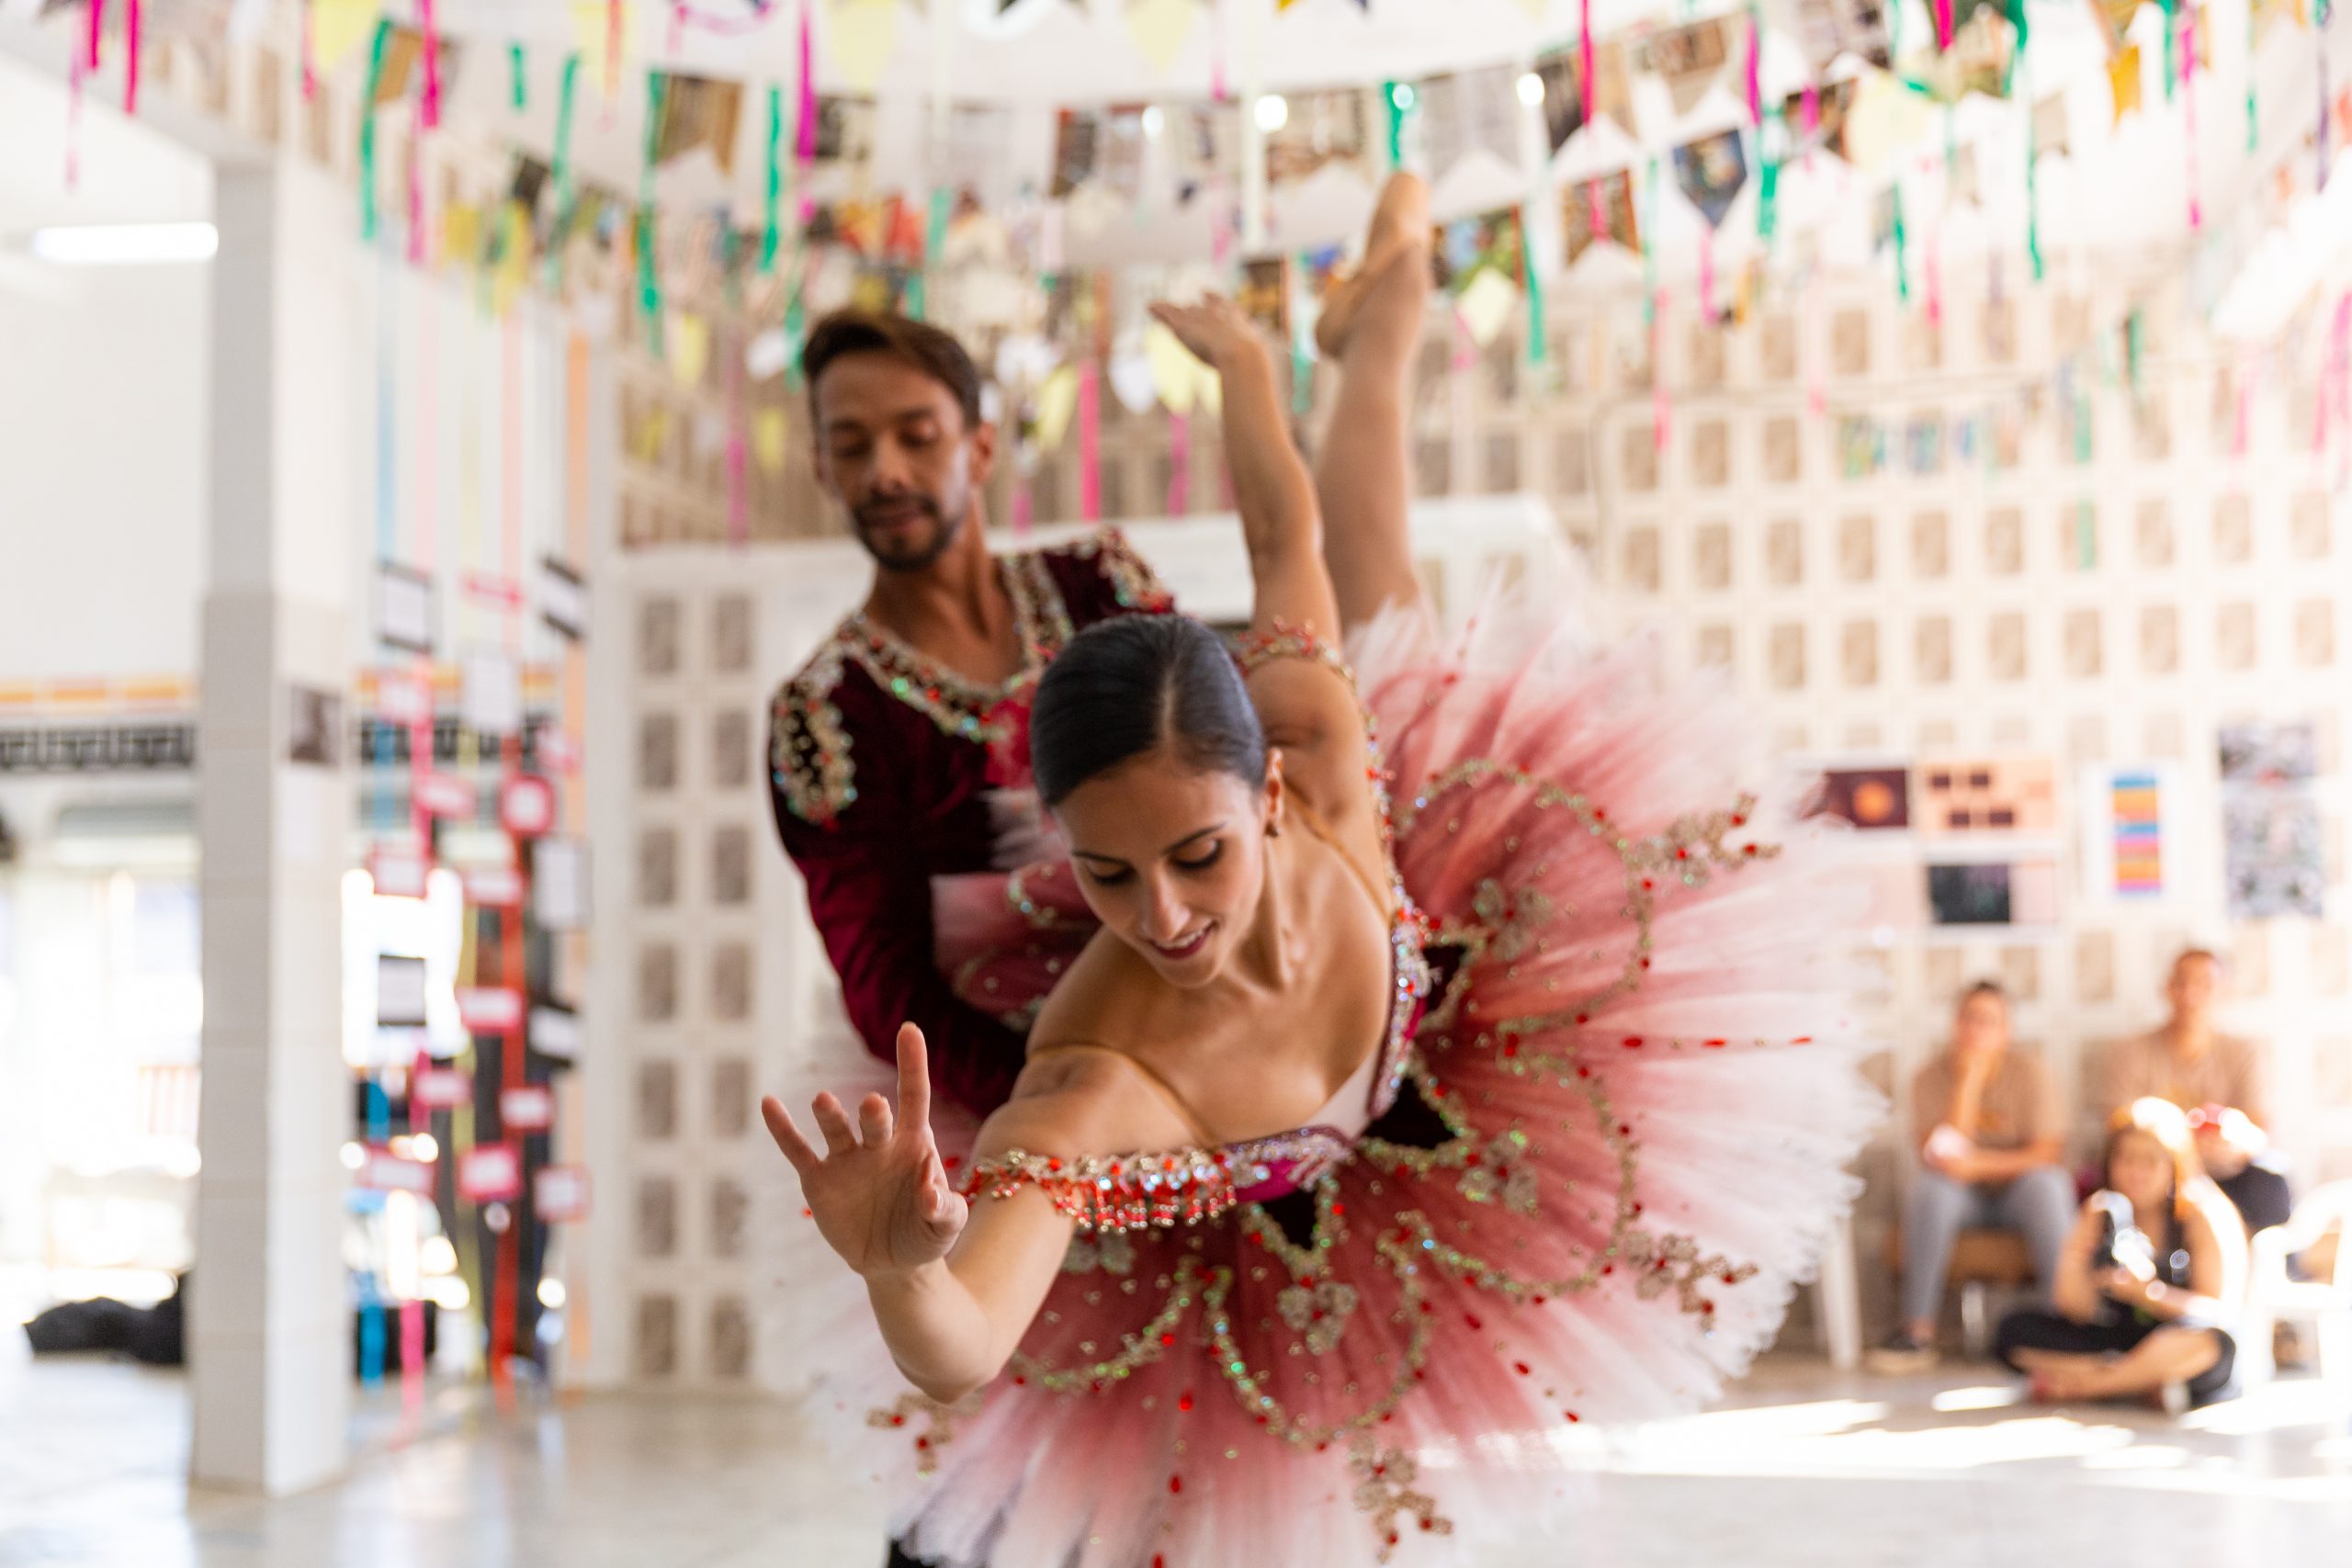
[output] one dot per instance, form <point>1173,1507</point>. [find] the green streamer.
<point>2032,188</point>
<point>2134,345</point>
<point>1399,96</point>
<point>1302,349</point>
<point>934,239</point>
<point>1769,142</point>
<point>2253,115</point>
<point>368,127</point>
<point>796,333</point>
<point>1535,320</point>
<point>517,77</point>
<point>770,232</point>
<point>2172,41</point>
<point>1901,251</point>
<point>649,270</point>
<point>1649,246</point>
<point>560,172</point>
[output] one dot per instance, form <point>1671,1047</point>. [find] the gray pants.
<point>2039,1204</point>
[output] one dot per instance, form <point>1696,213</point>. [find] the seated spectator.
<point>2216,1079</point>
<point>2150,1272</point>
<point>1992,1138</point>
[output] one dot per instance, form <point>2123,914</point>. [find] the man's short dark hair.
<point>918,343</point>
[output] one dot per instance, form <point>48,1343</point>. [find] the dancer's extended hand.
<point>1213,328</point>
<point>880,1194</point>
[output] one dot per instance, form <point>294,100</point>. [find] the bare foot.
<point>1394,277</point>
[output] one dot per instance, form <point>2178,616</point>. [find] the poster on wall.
<point>2273,854</point>
<point>1873,799</point>
<point>2130,840</point>
<point>1994,893</point>
<point>1999,794</point>
<point>2274,858</point>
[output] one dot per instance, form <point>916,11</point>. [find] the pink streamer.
<point>98,30</point>
<point>677,26</point>
<point>1662,401</point>
<point>1217,86</point>
<point>1706,275</point>
<point>1943,24</point>
<point>1180,465</point>
<point>1935,283</point>
<point>1756,73</point>
<point>1024,508</point>
<point>612,52</point>
<point>805,143</point>
<point>2239,435</point>
<point>309,56</point>
<point>432,30</point>
<point>739,501</point>
<point>1810,112</point>
<point>2189,95</point>
<point>131,57</point>
<point>76,70</point>
<point>416,191</point>
<point>1089,441</point>
<point>1816,395</point>
<point>1598,215</point>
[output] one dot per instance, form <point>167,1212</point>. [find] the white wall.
<point>102,465</point>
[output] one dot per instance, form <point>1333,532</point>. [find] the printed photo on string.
<point>1322,129</point>
<point>1490,241</point>
<point>1617,211</point>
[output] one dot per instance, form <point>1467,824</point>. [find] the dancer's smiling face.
<point>1173,859</point>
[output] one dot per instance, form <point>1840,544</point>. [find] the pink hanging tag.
<point>1180,465</point>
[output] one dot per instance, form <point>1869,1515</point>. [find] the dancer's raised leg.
<point>1364,479</point>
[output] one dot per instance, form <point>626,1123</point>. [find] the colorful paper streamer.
<point>368,127</point>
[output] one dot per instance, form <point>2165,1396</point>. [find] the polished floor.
<point>1805,1466</point>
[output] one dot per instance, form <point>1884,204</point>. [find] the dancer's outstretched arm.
<point>1310,716</point>
<point>1271,489</point>
<point>953,1287</point>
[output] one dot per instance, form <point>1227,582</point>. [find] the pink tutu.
<point>1623,1139</point>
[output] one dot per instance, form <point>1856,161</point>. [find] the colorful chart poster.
<point>2131,837</point>
<point>1996,794</point>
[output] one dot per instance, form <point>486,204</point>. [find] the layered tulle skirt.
<point>1623,1140</point>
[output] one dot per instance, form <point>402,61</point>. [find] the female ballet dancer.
<point>1368,1145</point>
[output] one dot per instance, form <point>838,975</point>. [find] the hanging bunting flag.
<point>1710,172</point>
<point>2124,81</point>
<point>1161,29</point>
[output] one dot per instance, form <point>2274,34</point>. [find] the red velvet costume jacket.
<point>888,771</point>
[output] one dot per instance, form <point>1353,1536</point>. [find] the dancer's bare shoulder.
<point>1078,1094</point>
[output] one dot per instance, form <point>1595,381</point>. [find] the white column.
<point>270,1329</point>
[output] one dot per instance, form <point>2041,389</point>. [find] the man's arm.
<point>871,900</point>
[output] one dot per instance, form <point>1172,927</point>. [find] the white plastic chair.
<point>2326,1304</point>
